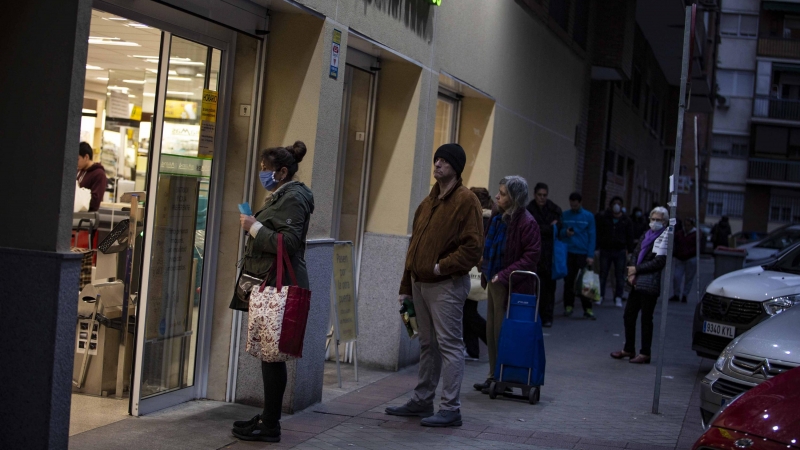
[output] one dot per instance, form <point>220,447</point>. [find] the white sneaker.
<point>618,302</point>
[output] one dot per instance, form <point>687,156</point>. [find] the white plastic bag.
<point>83,198</point>
<point>590,286</point>
<point>476,291</point>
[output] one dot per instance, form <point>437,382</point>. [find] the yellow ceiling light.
<point>91,67</point>
<point>133,81</point>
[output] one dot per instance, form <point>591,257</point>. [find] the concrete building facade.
<point>752,159</point>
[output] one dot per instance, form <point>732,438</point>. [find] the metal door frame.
<point>358,61</point>
<point>172,22</point>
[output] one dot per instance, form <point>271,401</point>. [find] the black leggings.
<point>474,328</point>
<point>646,303</point>
<point>274,375</point>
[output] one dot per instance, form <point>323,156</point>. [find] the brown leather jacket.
<point>448,232</point>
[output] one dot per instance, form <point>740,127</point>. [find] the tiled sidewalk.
<point>589,401</point>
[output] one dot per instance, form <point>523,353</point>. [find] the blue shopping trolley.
<point>520,352</point>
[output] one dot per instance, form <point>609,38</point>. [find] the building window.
<point>447,116</point>
<point>730,145</point>
<point>721,203</point>
<point>559,11</point>
<point>735,83</point>
<point>784,209</point>
<point>738,25</point>
<point>581,31</point>
<point>637,87</point>
<point>655,109</point>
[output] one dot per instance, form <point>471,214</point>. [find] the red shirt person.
<point>91,175</point>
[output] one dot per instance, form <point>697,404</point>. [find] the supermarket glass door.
<point>178,191</point>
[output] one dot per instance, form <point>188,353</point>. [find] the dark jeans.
<point>617,258</point>
<point>474,328</point>
<point>574,265</point>
<point>547,296</point>
<point>637,301</point>
<point>274,375</point>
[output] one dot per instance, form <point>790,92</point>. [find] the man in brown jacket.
<point>446,242</point>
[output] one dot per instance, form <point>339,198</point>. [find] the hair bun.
<point>298,150</point>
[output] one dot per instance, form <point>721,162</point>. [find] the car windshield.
<point>790,262</point>
<point>782,240</point>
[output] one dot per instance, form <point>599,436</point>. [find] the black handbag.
<point>244,285</point>
<point>649,283</point>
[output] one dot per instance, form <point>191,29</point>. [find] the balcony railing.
<point>773,170</point>
<point>776,108</point>
<point>778,47</point>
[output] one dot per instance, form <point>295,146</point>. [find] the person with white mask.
<point>615,240</point>
<point>645,277</point>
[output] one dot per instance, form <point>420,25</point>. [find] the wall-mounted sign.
<point>337,42</point>
<point>208,124</point>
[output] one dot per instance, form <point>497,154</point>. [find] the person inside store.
<point>645,277</point>
<point>512,243</point>
<point>91,175</point>
<point>547,215</point>
<point>286,211</point>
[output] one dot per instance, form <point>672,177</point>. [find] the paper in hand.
<point>244,208</point>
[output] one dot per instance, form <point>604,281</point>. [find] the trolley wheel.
<point>493,390</point>
<point>533,396</point>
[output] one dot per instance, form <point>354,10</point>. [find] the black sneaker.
<point>683,299</point>
<point>547,324</point>
<point>258,431</point>
<point>674,298</point>
<point>247,423</point>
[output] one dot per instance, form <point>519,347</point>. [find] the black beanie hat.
<point>454,155</point>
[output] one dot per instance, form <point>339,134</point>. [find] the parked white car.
<point>773,243</point>
<point>767,350</point>
<point>740,300</point>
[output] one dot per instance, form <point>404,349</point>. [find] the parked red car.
<point>766,417</point>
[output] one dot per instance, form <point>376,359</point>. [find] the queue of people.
<point>457,230</point>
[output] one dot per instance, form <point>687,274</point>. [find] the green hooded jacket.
<point>286,212</point>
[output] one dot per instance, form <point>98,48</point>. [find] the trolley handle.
<point>511,290</point>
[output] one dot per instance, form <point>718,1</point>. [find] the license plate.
<point>718,329</point>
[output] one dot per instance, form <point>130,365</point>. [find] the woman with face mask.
<point>645,276</point>
<point>286,211</point>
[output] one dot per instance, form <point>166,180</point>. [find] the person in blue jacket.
<point>578,232</point>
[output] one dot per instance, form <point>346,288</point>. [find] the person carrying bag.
<point>277,321</point>
<point>276,312</point>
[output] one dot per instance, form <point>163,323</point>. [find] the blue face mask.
<point>268,179</point>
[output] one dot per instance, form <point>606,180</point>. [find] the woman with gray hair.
<point>512,243</point>
<point>645,277</point>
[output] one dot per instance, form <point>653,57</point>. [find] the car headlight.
<point>726,354</point>
<point>723,358</point>
<point>778,305</point>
